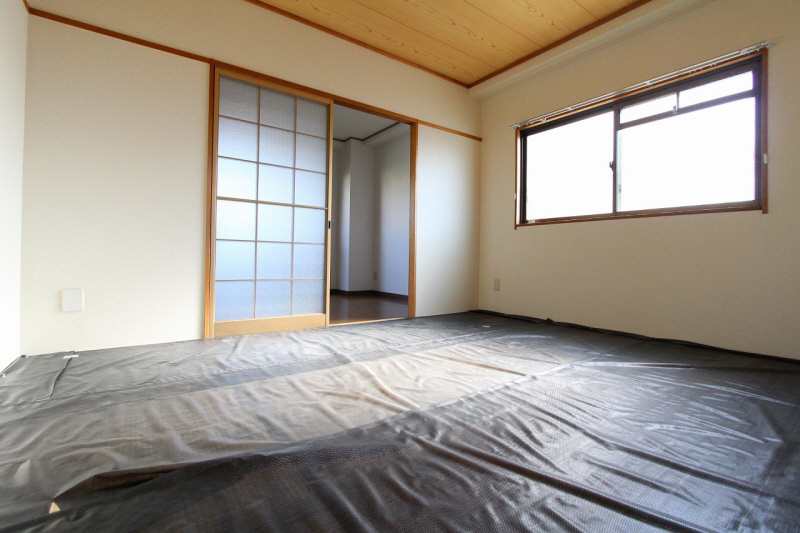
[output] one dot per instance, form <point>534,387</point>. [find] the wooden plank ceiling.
<point>466,41</point>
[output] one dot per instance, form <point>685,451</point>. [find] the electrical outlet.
<point>375,275</point>
<point>497,284</point>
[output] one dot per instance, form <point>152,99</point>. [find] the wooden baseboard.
<point>370,293</point>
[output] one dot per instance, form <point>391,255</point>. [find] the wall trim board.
<point>370,293</point>
<point>27,6</point>
<point>370,136</point>
<point>354,41</point>
<point>207,289</point>
<point>247,72</point>
<point>690,344</point>
<point>412,230</point>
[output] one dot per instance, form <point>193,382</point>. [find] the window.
<point>691,146</point>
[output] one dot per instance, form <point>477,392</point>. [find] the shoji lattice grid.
<point>271,200</point>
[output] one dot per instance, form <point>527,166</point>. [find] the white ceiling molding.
<point>398,130</point>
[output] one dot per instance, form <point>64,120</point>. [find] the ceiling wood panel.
<point>461,26</point>
<point>380,31</point>
<point>465,41</point>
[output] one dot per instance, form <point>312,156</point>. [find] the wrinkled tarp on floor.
<point>464,422</point>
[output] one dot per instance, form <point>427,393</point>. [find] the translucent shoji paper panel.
<point>235,260</point>
<point>308,297</point>
<point>312,118</point>
<point>238,99</point>
<point>237,139</point>
<point>236,220</point>
<point>236,179</point>
<point>275,184</point>
<point>235,300</point>
<point>274,298</point>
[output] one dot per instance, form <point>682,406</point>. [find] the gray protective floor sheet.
<point>466,422</point>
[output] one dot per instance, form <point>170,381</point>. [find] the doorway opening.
<point>371,213</point>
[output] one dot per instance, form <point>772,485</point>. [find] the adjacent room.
<point>370,217</point>
<point>349,265</point>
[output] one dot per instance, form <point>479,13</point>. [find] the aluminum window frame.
<point>756,62</point>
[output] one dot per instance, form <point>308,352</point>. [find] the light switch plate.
<point>496,284</point>
<point>72,300</point>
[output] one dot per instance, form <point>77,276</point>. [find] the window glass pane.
<point>274,260</point>
<point>308,297</point>
<point>236,220</point>
<point>274,223</point>
<point>310,188</point>
<point>568,172</point>
<point>236,179</point>
<point>277,109</point>
<point>648,108</point>
<point>235,260</point>
<point>274,298</point>
<point>312,118</point>
<point>234,300</point>
<point>312,153</point>
<point>702,157</point>
<point>275,184</point>
<point>237,139</point>
<point>717,89</point>
<point>276,147</point>
<point>238,99</point>
<point>309,225</point>
<point>309,261</point>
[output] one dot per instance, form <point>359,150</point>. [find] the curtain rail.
<point>643,85</point>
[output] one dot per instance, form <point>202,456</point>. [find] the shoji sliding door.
<point>269,247</point>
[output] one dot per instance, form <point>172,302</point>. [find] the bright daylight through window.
<point>692,146</point>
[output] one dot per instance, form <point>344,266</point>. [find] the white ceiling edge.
<point>636,21</point>
<point>398,130</point>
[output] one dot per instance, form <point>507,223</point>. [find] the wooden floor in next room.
<point>362,306</point>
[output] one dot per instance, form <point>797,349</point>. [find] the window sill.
<point>669,211</point>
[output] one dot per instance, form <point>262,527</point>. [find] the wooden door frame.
<point>267,81</point>
<point>211,327</point>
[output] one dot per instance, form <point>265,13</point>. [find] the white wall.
<point>13,45</point>
<point>352,217</point>
<point>114,191</point>
<point>370,218</point>
<point>448,186</point>
<point>116,205</point>
<point>392,210</point>
<point>362,208</point>
<point>726,279</point>
<point>248,36</point>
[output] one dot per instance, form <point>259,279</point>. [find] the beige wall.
<point>730,279</point>
<point>114,192</point>
<point>114,187</point>
<point>248,36</point>
<point>447,192</point>
<point>13,44</point>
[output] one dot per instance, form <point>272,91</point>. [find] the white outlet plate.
<point>497,284</point>
<point>72,300</point>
